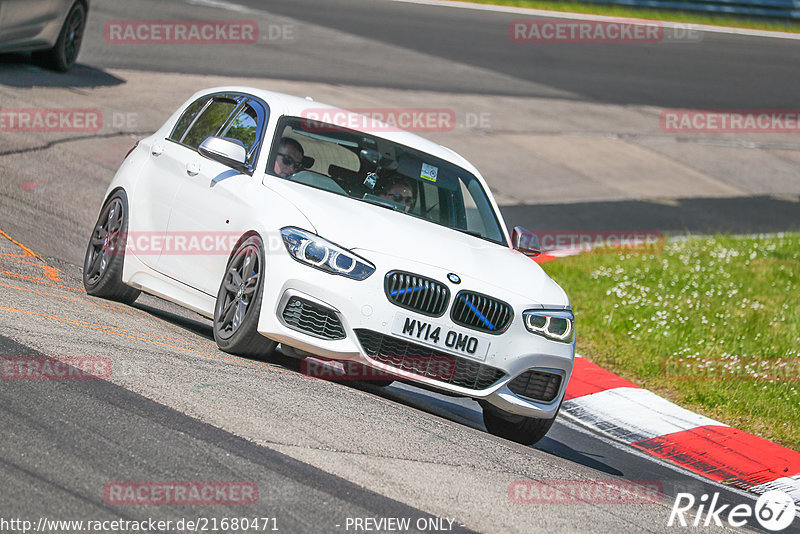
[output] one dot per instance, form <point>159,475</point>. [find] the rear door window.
<point>209,123</point>
<point>188,117</point>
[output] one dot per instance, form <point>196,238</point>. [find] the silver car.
<point>51,29</point>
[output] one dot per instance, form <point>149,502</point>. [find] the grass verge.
<point>711,323</point>
<point>653,14</point>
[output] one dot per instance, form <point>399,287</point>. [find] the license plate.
<point>440,337</point>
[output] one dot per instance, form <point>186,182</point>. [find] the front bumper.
<point>362,307</point>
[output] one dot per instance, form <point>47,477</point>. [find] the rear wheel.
<point>239,302</point>
<point>105,255</point>
<point>525,430</point>
<point>65,52</point>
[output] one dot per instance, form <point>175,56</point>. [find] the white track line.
<point>228,6</point>
<point>633,414</point>
<point>790,485</point>
<point>585,16</point>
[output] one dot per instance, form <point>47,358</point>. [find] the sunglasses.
<point>402,199</point>
<point>289,160</point>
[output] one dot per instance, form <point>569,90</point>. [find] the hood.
<point>364,228</point>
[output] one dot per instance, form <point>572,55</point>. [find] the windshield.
<point>381,172</point>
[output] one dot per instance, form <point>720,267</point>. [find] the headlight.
<point>555,325</point>
<point>312,250</point>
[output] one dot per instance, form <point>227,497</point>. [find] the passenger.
<point>290,157</point>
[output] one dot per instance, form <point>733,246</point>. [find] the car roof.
<point>295,106</point>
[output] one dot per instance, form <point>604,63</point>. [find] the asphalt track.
<point>175,409</point>
<point>85,430</point>
<point>322,452</point>
<point>718,71</point>
<point>383,43</point>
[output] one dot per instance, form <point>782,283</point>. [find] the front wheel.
<point>524,430</point>
<point>239,302</point>
<point>105,255</point>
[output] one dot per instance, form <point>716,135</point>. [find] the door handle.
<point>192,169</point>
<point>157,150</point>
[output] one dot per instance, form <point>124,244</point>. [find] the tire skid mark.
<point>101,304</point>
<point>105,328</point>
<point>57,142</point>
<point>78,300</point>
<point>50,272</point>
<point>38,280</point>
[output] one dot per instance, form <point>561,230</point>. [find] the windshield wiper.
<point>470,232</point>
<point>386,204</point>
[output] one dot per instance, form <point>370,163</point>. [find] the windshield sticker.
<point>429,172</point>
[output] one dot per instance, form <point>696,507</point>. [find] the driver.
<point>402,192</point>
<point>290,157</point>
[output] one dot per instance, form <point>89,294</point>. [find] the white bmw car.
<point>361,245</point>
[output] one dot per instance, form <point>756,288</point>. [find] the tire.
<point>63,55</point>
<point>105,254</point>
<point>239,302</point>
<point>524,430</point>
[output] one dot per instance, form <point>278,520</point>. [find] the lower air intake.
<point>536,385</point>
<point>313,319</point>
<point>424,361</point>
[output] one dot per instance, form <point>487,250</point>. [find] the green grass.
<point>711,323</point>
<point>650,13</point>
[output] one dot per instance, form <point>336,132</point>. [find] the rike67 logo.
<point>774,510</point>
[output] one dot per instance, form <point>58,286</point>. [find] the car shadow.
<point>18,70</point>
<point>459,410</point>
<point>562,450</point>
<point>194,326</point>
<point>468,413</point>
<point>154,307</point>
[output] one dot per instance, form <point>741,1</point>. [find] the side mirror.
<point>230,152</point>
<point>525,241</point>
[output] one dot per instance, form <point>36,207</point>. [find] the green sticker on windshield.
<point>429,172</point>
